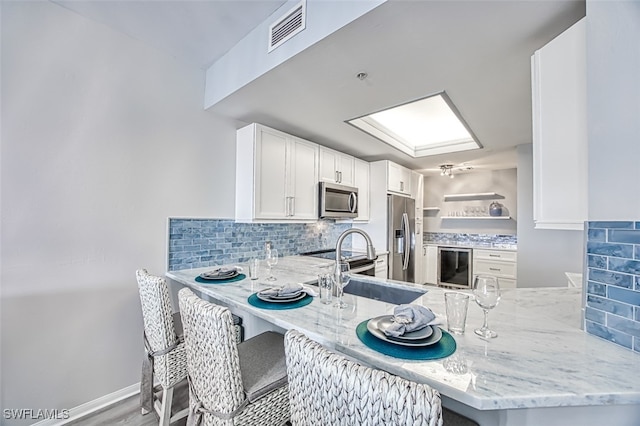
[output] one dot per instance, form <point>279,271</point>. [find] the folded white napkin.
<point>407,318</point>
<point>224,271</point>
<point>288,289</point>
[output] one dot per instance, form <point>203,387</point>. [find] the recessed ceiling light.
<point>427,126</point>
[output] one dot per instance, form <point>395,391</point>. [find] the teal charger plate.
<point>254,301</point>
<point>445,347</point>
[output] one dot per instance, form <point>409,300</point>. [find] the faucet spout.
<point>371,252</point>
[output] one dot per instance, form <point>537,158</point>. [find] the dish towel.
<point>288,289</point>
<point>407,318</point>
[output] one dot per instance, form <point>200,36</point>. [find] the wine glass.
<point>487,294</point>
<point>272,260</point>
<point>342,278</point>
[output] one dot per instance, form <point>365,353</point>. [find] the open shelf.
<point>476,217</point>
<point>475,196</point>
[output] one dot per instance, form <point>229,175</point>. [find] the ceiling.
<point>477,51</point>
<point>196,31</point>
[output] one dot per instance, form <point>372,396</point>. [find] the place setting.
<point>288,296</point>
<point>221,275</point>
<point>412,332</point>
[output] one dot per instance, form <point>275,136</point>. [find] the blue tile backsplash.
<point>475,239</point>
<point>613,282</point>
<point>196,243</point>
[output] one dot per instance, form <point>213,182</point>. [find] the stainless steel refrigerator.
<point>401,238</point>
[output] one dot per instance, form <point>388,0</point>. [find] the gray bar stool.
<point>231,383</point>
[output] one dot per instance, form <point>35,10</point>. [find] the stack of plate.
<point>285,298</point>
<point>424,337</point>
<point>220,274</point>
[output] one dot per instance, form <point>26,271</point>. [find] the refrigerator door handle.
<point>407,241</point>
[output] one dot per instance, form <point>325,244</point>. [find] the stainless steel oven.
<point>455,267</point>
<point>358,263</point>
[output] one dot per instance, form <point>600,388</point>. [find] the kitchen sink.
<point>382,292</point>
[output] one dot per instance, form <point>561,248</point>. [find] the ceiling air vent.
<point>286,27</point>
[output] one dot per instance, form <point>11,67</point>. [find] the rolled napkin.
<point>287,290</point>
<point>407,318</point>
<point>225,271</point>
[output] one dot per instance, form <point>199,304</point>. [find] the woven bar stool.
<point>231,384</point>
<point>327,389</point>
<point>166,358</point>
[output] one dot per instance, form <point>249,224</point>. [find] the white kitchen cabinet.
<point>381,270</point>
<point>399,179</point>
<point>430,264</point>
<point>560,131</point>
<point>361,181</point>
<point>499,263</point>
<point>336,167</point>
<point>276,176</point>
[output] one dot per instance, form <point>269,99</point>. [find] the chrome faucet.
<point>371,252</point>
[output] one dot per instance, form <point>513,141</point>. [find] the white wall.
<point>103,139</point>
<point>613,109</point>
<point>503,182</point>
<point>543,255</point>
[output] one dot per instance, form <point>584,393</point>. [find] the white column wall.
<point>103,138</point>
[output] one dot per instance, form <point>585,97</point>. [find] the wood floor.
<point>127,412</point>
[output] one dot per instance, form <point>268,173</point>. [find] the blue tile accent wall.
<point>613,282</point>
<point>197,243</point>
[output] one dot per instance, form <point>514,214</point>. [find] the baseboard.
<point>93,406</point>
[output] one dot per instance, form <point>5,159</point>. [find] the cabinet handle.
<point>494,255</point>
<point>380,261</point>
<point>293,206</point>
<point>340,177</point>
<point>401,186</point>
<point>337,179</point>
<point>495,269</point>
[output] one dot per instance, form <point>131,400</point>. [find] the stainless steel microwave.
<point>338,201</point>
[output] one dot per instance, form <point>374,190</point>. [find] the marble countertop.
<point>541,357</point>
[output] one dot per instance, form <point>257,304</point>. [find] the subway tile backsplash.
<point>613,282</point>
<point>196,243</point>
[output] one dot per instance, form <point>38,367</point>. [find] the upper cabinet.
<point>361,178</point>
<point>399,179</point>
<point>276,176</point>
<point>336,167</point>
<point>560,131</point>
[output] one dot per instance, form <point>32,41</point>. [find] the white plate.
<point>272,300</point>
<point>206,276</point>
<point>283,297</point>
<point>386,321</point>
<point>372,326</point>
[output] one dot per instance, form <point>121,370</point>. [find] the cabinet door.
<point>346,169</point>
<point>270,183</point>
<point>303,185</point>
<point>431,264</point>
<point>362,183</point>
<point>381,270</point>
<point>398,179</point>
<point>560,131</point>
<point>328,171</point>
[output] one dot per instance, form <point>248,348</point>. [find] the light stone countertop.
<point>541,357</point>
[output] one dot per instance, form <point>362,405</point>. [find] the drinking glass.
<point>272,260</point>
<point>487,294</point>
<point>342,278</point>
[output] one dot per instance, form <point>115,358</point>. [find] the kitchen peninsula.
<point>541,369</point>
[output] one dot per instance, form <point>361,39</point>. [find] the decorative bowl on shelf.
<point>495,209</point>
